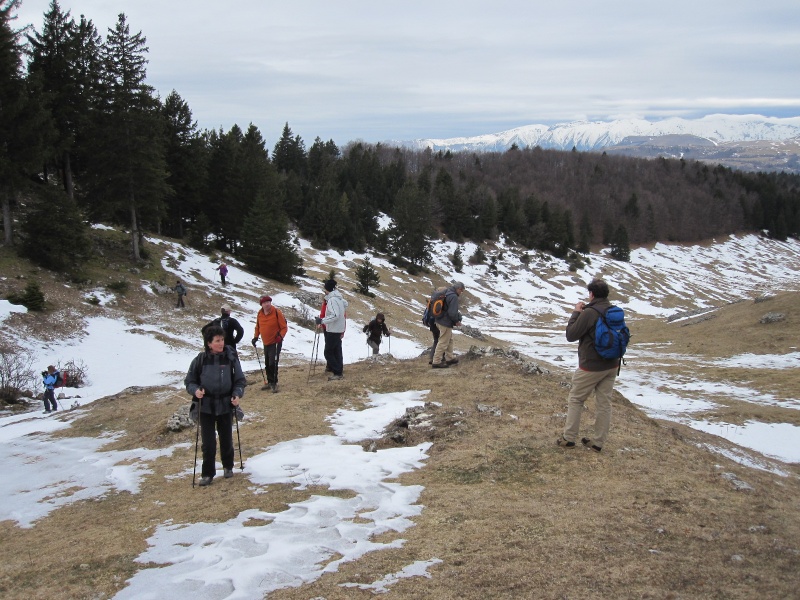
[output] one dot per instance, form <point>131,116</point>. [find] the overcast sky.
<point>380,71</point>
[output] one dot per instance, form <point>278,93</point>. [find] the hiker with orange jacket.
<point>271,326</point>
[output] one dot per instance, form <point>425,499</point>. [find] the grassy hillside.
<point>509,514</point>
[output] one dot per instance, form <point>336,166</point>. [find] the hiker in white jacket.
<point>335,324</point>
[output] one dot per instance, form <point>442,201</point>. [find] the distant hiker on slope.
<point>335,324</point>
<point>375,329</point>
<point>272,327</point>
<point>594,373</point>
<point>234,332</point>
<point>51,379</point>
<point>223,272</point>
<point>443,355</point>
<point>216,382</point>
<point>181,291</point>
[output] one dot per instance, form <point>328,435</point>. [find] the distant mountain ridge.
<point>747,142</point>
<point>596,135</point>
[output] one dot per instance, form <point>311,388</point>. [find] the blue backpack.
<point>611,334</point>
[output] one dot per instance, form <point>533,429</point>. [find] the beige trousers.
<point>444,347</point>
<point>583,384</point>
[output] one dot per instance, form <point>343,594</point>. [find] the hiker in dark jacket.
<point>594,373</point>
<point>234,332</point>
<point>50,380</point>
<point>216,382</point>
<point>375,329</point>
<point>181,291</point>
<point>443,355</point>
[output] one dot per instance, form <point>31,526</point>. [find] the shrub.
<point>32,298</point>
<point>77,372</point>
<point>478,257</point>
<point>119,287</point>
<point>16,375</point>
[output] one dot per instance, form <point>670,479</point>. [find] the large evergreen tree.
<point>409,236</point>
<point>55,235</point>
<point>128,162</point>
<point>267,248</point>
<point>53,57</point>
<point>186,163</point>
<point>25,126</point>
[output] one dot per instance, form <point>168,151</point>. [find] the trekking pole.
<point>239,439</point>
<point>275,372</point>
<point>314,347</point>
<point>196,438</point>
<point>260,368</point>
<point>389,339</point>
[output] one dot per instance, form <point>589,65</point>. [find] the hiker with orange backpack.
<point>447,317</point>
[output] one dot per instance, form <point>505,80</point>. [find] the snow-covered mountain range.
<point>596,135</point>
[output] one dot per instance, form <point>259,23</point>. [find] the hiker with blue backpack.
<point>51,379</point>
<point>602,336</point>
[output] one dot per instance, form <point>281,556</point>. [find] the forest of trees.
<point>84,138</point>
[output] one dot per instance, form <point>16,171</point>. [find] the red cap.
<point>265,299</point>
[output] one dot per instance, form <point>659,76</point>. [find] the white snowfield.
<point>237,559</point>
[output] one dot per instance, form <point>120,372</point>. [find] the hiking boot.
<point>588,443</point>
<point>228,474</point>
<point>274,388</point>
<point>440,365</point>
<point>206,481</point>
<point>335,377</point>
<point>453,361</point>
<point>564,443</point>
<point>46,411</point>
<point>266,386</point>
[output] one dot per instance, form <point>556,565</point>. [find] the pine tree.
<point>458,260</point>
<point>129,167</point>
<point>289,154</point>
<point>410,233</point>
<point>186,162</point>
<point>55,61</point>
<point>26,128</point>
<point>266,246</point>
<point>55,234</point>
<point>367,277</point>
<point>620,250</point>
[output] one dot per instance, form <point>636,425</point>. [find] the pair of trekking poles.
<point>388,350</point>
<point>262,369</point>
<point>197,439</point>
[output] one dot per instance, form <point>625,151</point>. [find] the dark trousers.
<point>222,277</point>
<point>50,398</point>
<point>435,332</point>
<point>224,426</point>
<point>333,352</point>
<point>180,302</point>
<point>272,354</point>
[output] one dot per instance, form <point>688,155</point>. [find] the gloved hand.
<point>44,373</point>
<point>255,339</point>
<point>278,339</point>
<point>318,320</point>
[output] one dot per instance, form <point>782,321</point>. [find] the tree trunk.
<point>134,230</point>
<point>69,185</point>
<point>8,238</point>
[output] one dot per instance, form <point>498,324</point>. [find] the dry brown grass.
<point>510,514</point>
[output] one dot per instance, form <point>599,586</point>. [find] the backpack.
<point>435,308</point>
<point>611,334</point>
<point>59,379</point>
